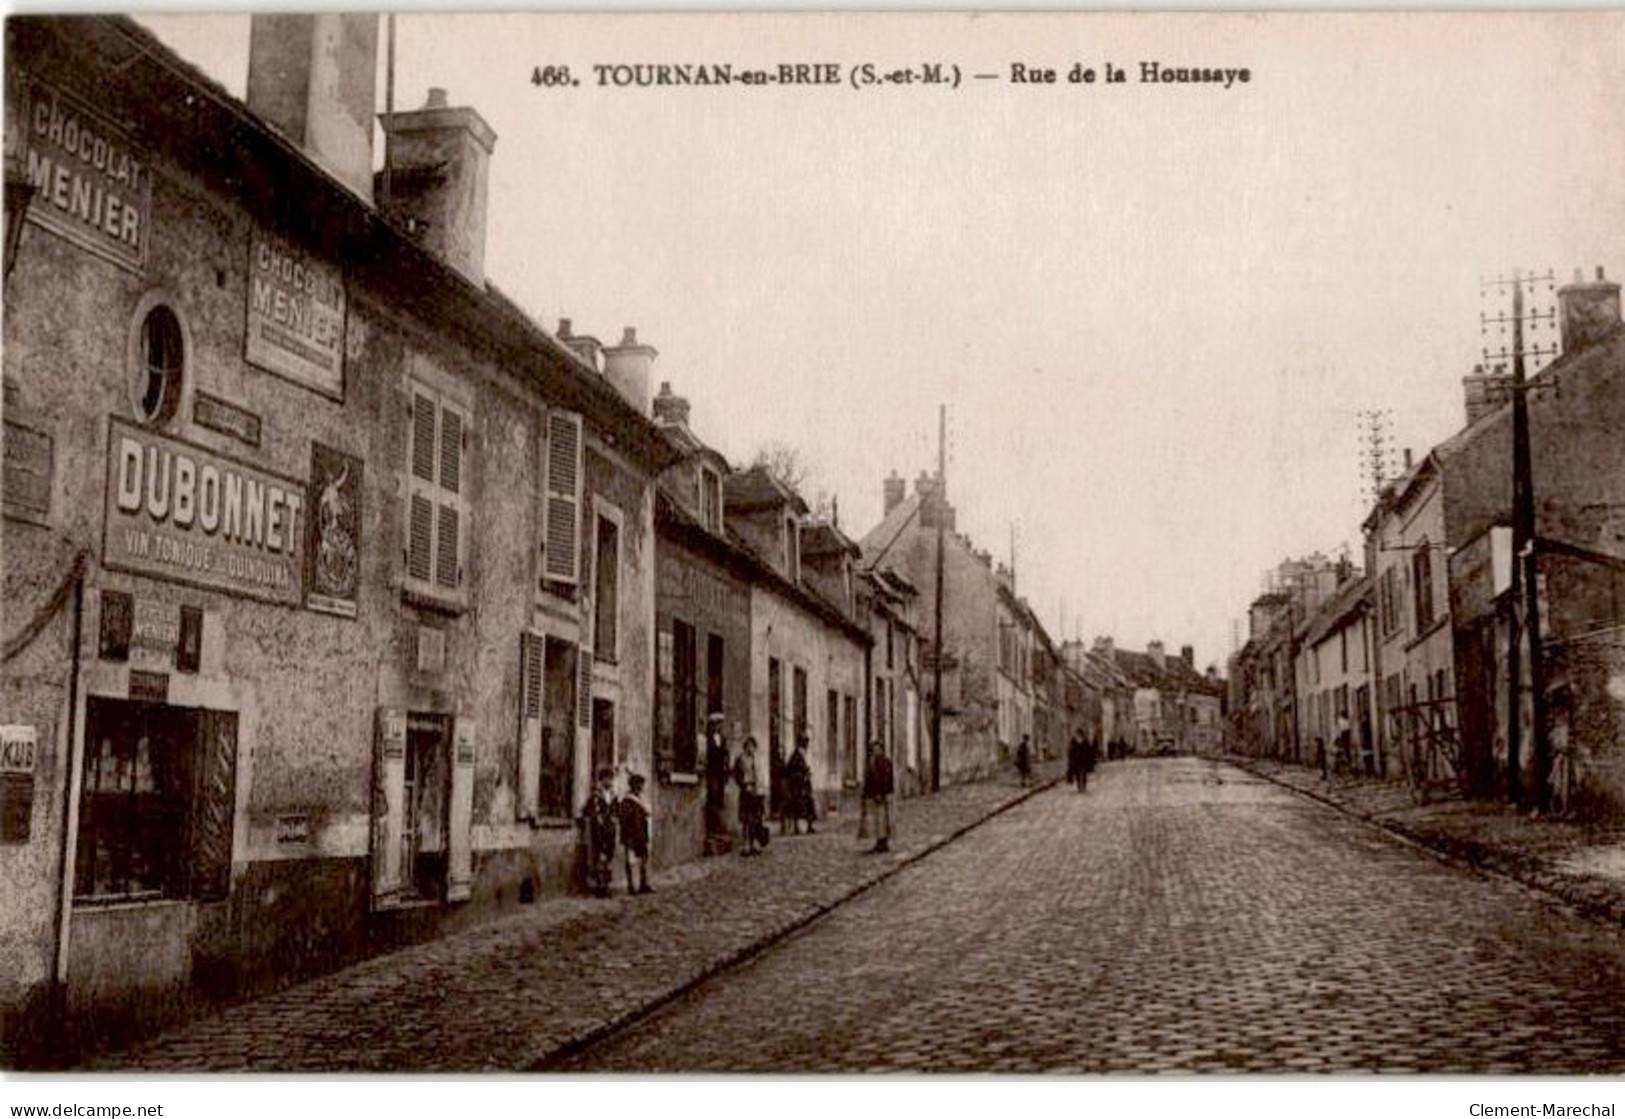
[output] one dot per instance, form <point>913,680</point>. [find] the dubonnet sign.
<point>183,512</point>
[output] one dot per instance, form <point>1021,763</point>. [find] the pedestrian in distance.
<point>748,777</point>
<point>598,819</point>
<point>1321,759</point>
<point>633,813</point>
<point>877,793</point>
<point>716,782</point>
<point>1091,758</point>
<point>798,787</point>
<point>1024,760</point>
<point>1075,774</point>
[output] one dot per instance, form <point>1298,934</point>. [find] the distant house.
<point>1176,708</point>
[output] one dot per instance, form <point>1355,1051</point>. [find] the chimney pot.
<point>441,157</point>
<point>627,366</point>
<point>669,407</point>
<point>564,330</point>
<point>1588,311</point>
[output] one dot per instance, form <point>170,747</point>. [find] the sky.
<point>1154,312</point>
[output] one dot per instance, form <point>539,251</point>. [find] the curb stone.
<point>1567,892</point>
<point>574,1046</point>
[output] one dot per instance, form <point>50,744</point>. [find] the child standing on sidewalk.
<point>598,819</point>
<point>634,815</point>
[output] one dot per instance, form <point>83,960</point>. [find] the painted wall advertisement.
<point>182,512</point>
<point>92,185</point>
<point>295,315</point>
<point>334,553</point>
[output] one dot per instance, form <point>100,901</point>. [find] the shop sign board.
<point>179,511</point>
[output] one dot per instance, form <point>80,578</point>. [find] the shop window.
<point>437,511</point>
<point>606,591</point>
<point>158,360</point>
<point>158,802</point>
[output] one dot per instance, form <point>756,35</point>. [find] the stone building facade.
<point>329,575</point>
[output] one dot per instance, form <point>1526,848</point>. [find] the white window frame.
<point>612,513</point>
<point>435,492</point>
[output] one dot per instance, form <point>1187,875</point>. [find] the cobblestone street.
<point>1181,916</point>
<point>521,990</point>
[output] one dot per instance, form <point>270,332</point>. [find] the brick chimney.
<point>1106,648</point>
<point>627,366</point>
<point>584,346</point>
<point>1187,653</point>
<point>314,78</point>
<point>440,169</point>
<point>892,490</point>
<point>669,408</point>
<point>1158,657</point>
<point>1485,392</point>
<point>1589,311</point>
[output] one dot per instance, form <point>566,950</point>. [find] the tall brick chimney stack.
<point>627,366</point>
<point>670,408</point>
<point>1485,392</point>
<point>1589,311</point>
<point>315,79</point>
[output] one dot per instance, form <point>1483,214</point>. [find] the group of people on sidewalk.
<point>1082,755</point>
<point>793,796</point>
<point>608,820</point>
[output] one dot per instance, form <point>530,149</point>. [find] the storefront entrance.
<point>157,802</point>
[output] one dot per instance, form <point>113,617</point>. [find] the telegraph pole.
<point>1525,566</point>
<point>938,497</point>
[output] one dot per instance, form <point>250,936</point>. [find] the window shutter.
<point>420,538</point>
<point>451,450</point>
<point>215,806</point>
<point>423,428</point>
<point>447,569</point>
<point>460,841</point>
<point>530,724</point>
<point>388,800</point>
<point>561,543</point>
<point>584,685</point>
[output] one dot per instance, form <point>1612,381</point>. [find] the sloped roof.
<point>755,488</point>
<point>878,541</point>
<point>1349,597</point>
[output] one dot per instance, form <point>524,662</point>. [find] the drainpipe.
<point>70,829</point>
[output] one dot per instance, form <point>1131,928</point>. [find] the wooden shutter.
<point>531,651</point>
<point>450,531</point>
<point>214,807</point>
<point>460,840</point>
<point>561,536</point>
<point>388,801</point>
<point>424,412</point>
<point>584,684</point>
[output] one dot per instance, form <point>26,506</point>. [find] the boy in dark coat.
<point>634,820</point>
<point>1024,760</point>
<point>716,777</point>
<point>598,815</point>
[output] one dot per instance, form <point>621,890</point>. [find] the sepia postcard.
<point>814,543</point>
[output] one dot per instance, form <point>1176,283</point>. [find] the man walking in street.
<point>798,788</point>
<point>1024,760</point>
<point>1075,774</point>
<point>877,792</point>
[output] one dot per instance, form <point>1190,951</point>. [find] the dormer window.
<point>792,550</point>
<point>711,499</point>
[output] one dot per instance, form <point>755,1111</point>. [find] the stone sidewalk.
<point>532,988</point>
<point>1581,866</point>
